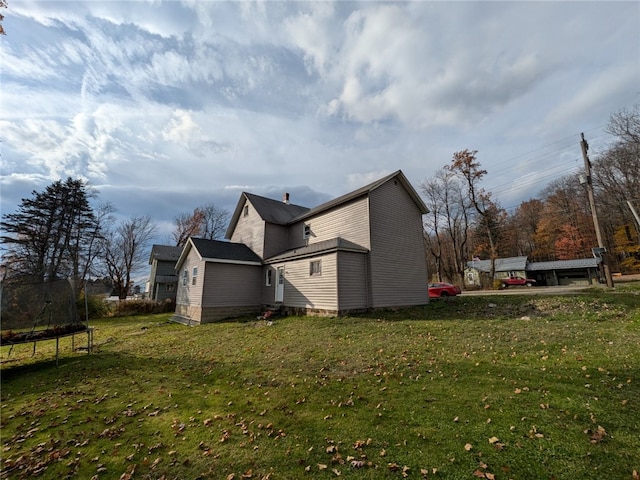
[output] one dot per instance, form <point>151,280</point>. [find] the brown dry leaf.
<point>493,440</point>
<point>322,466</point>
<point>479,474</point>
<point>248,474</point>
<point>231,476</point>
<point>405,471</point>
<point>490,476</point>
<point>598,435</point>
<point>394,467</point>
<point>468,447</point>
<point>635,475</point>
<point>337,472</point>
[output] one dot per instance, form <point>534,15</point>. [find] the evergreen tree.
<point>52,234</point>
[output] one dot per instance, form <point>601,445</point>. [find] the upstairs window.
<point>245,210</point>
<point>315,267</point>
<point>306,231</point>
<point>194,276</point>
<point>185,277</point>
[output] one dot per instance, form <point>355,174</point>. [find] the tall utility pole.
<point>594,213</point>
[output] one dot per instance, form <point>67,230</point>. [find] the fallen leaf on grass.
<point>468,447</point>
<point>598,435</point>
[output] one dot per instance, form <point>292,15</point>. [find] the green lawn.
<point>475,387</point>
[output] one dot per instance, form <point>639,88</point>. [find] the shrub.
<point>96,306</point>
<point>143,307</point>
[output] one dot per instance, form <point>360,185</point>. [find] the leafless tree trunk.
<point>125,249</point>
<point>206,221</point>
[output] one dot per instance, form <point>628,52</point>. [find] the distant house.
<point>359,251</point>
<point>583,271</point>
<point>504,267</point>
<point>163,280</point>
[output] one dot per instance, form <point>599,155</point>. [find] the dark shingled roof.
<point>164,252</point>
<point>219,250</point>
<point>274,211</point>
<point>319,247</point>
<point>502,264</point>
<point>564,264</point>
<point>280,213</point>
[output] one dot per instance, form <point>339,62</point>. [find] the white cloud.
<point>199,99</point>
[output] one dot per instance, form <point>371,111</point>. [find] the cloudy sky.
<point>163,106</point>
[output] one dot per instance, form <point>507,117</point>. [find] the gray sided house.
<point>581,271</point>
<point>163,280</point>
<point>360,251</point>
<point>504,267</point>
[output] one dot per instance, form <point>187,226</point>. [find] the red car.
<point>437,290</point>
<point>511,281</point>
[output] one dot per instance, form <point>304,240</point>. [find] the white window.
<point>306,231</point>
<point>268,276</point>
<point>185,277</point>
<point>245,211</point>
<point>170,287</point>
<point>315,267</point>
<point>194,276</point>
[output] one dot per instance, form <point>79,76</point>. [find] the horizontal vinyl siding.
<point>191,294</point>
<point>349,221</point>
<point>250,231</point>
<point>230,285</point>
<point>276,239</point>
<point>398,263</point>
<point>164,267</point>
<point>352,281</point>
<point>302,290</point>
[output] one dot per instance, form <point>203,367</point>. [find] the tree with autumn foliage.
<point>523,227</point>
<point>491,217</point>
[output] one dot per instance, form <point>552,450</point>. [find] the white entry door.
<point>280,285</point>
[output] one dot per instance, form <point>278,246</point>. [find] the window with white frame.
<point>194,276</point>
<point>315,267</point>
<point>245,210</point>
<point>306,231</point>
<point>185,277</point>
<point>268,277</point>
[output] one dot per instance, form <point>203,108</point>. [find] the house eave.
<point>234,262</point>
